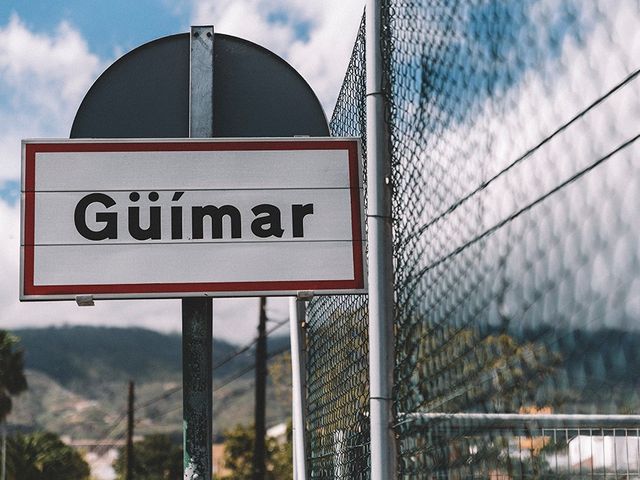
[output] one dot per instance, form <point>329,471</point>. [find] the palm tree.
<point>12,380</point>
<point>43,456</point>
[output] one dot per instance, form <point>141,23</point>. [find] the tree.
<point>238,454</point>
<point>43,456</point>
<point>459,370</point>
<point>156,457</point>
<point>282,457</point>
<point>12,380</point>
<point>463,370</point>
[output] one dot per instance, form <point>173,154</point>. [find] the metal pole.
<point>197,313</point>
<point>297,317</point>
<point>4,450</point>
<point>129,473</point>
<point>523,421</point>
<point>197,397</point>
<point>259,450</point>
<point>339,453</point>
<point>381,339</point>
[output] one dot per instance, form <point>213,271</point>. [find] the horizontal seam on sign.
<point>193,189</point>
<point>189,145</point>
<point>225,242</point>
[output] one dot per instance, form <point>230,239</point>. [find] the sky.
<point>51,51</point>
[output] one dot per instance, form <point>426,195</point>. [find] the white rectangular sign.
<point>191,217</point>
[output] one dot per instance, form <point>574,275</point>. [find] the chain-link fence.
<point>337,340</point>
<point>514,128</point>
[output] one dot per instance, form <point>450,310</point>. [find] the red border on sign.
<point>31,149</point>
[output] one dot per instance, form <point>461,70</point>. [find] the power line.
<point>521,158</point>
<point>163,414</point>
<point>526,208</point>
<point>163,396</point>
<point>249,345</point>
<point>248,369</point>
<point>228,381</point>
<point>173,391</point>
<point>221,363</point>
<point>102,444</point>
<point>177,389</point>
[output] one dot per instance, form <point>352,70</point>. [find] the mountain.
<point>78,378</point>
<point>597,370</point>
<point>78,381</point>
<point>93,354</point>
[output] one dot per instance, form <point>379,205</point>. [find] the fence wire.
<point>516,176</point>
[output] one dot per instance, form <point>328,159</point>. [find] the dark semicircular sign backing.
<point>145,94</point>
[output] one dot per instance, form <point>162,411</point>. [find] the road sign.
<point>191,217</point>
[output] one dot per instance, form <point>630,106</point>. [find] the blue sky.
<point>51,51</point>
<point>109,29</point>
<point>108,26</point>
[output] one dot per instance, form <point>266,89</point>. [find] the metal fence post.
<point>297,315</point>
<point>197,313</point>
<point>381,339</point>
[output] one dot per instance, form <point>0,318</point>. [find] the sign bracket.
<point>85,300</point>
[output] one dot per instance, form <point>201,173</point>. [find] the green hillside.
<point>78,379</point>
<point>93,354</point>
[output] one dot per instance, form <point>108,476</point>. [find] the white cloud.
<point>316,38</point>
<point>584,239</point>
<point>42,81</point>
<point>542,100</point>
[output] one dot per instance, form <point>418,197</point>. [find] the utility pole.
<point>130,431</point>
<point>4,450</point>
<point>259,467</point>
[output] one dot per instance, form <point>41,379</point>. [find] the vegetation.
<point>464,370</point>
<point>470,372</point>
<point>494,370</point>
<point>238,455</point>
<point>12,380</point>
<point>156,457</point>
<point>43,456</point>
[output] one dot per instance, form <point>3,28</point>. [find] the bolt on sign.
<point>191,217</point>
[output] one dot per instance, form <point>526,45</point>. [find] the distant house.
<point>583,453</point>
<point>218,460</point>
<point>600,452</point>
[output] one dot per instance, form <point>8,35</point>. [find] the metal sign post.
<point>197,397</point>
<point>197,313</point>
